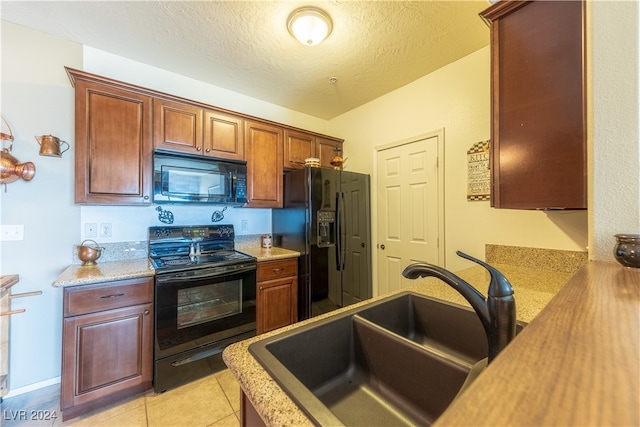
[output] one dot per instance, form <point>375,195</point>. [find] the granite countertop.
<point>534,288</point>
<point>75,275</point>
<point>107,271</point>
<point>273,253</point>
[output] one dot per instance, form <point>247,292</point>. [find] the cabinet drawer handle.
<point>278,270</point>
<point>111,296</point>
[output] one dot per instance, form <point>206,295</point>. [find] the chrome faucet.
<point>497,312</point>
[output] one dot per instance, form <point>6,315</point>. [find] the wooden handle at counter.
<point>9,313</point>
<point>25,294</point>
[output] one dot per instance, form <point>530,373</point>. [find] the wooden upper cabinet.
<point>192,129</point>
<point>263,144</point>
<point>118,125</point>
<point>223,136</point>
<point>538,142</point>
<point>298,146</point>
<point>177,126</point>
<point>113,136</point>
<point>327,149</point>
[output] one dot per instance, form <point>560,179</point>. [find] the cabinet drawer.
<point>268,270</point>
<point>105,296</point>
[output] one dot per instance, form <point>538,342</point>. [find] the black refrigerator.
<point>327,218</point>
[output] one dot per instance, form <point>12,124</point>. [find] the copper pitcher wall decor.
<point>51,145</point>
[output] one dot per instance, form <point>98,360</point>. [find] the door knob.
<point>382,247</point>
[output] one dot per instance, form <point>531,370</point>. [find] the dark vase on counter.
<point>627,250</point>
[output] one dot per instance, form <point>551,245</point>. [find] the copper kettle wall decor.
<point>10,168</point>
<point>51,145</point>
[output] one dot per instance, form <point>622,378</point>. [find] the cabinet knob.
<point>207,150</point>
<point>146,312</point>
<point>146,197</point>
<point>261,288</point>
<point>198,148</point>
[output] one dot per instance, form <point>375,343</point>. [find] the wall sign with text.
<point>478,177</point>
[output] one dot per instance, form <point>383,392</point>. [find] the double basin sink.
<point>400,360</point>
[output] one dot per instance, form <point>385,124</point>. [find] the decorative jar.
<point>627,250</point>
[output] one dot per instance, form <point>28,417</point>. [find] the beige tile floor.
<point>213,401</point>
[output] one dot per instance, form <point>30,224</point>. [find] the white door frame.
<point>439,133</point>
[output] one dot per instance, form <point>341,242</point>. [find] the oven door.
<point>197,314</point>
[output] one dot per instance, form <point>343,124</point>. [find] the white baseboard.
<point>31,387</point>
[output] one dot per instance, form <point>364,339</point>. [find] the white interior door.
<point>410,209</point>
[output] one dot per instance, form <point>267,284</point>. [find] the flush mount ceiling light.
<point>309,25</point>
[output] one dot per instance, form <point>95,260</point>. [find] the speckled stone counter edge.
<point>539,258</point>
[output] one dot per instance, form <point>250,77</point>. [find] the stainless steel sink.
<point>397,361</point>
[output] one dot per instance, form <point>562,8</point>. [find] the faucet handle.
<point>499,286</point>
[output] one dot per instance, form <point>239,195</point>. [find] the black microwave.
<point>182,178</point>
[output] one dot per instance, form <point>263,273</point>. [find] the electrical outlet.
<point>105,229</point>
<point>245,225</point>
<point>90,229</point>
<point>11,232</point>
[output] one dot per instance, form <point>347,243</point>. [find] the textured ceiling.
<point>375,47</point>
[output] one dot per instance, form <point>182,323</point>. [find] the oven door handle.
<point>198,356</point>
<point>201,274</point>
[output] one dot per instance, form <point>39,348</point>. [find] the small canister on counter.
<point>266,241</point>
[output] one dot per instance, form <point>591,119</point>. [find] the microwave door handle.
<point>234,178</point>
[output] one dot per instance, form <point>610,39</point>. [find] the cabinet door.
<point>177,126</point>
<point>298,146</point>
<point>277,303</point>
<point>538,105</point>
<point>263,143</point>
<point>223,136</point>
<point>104,354</point>
<point>327,149</point>
<point>113,145</point>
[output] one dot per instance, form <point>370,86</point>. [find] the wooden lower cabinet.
<point>277,283</point>
<point>249,417</point>
<point>107,350</point>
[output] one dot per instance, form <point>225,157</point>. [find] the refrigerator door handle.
<point>336,231</point>
<point>341,223</point>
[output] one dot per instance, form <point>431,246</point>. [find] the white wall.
<point>37,99</point>
<point>119,68</point>
<point>615,124</point>
<point>456,98</point>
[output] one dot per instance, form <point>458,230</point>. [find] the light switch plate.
<point>90,229</point>
<point>11,232</point>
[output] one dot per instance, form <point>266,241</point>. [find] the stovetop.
<point>175,262</point>
<point>188,247</point>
